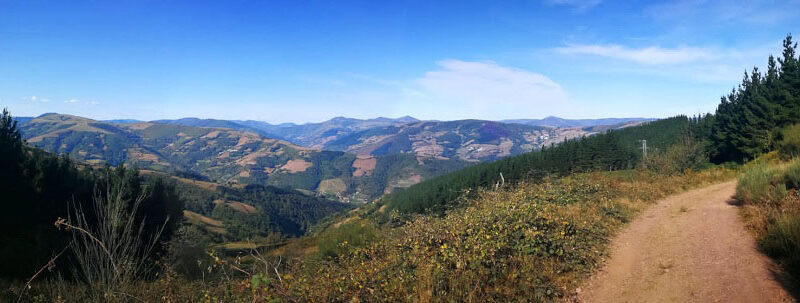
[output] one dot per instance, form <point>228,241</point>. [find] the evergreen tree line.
<point>748,120</point>
<point>287,213</point>
<point>612,150</point>
<point>37,188</point>
<point>747,123</point>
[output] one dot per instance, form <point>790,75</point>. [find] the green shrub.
<point>782,242</point>
<point>756,185</point>
<point>678,158</point>
<point>792,175</point>
<point>347,236</point>
<point>789,145</point>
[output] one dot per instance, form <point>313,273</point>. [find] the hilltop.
<point>227,155</point>
<point>346,159</point>
<point>553,121</point>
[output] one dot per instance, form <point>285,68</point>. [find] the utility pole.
<point>644,150</point>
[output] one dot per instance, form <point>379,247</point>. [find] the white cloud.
<point>646,55</point>
<point>707,64</point>
<point>485,90</point>
<point>35,99</point>
<point>71,101</point>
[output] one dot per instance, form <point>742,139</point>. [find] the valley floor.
<point>691,247</point>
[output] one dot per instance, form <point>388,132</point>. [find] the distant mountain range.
<point>468,140</point>
<point>343,158</point>
<point>566,123</point>
<point>322,134</point>
<point>232,156</point>
<point>315,135</point>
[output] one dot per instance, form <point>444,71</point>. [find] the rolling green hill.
<point>248,212</point>
<point>613,150</point>
<point>231,156</point>
<point>467,140</point>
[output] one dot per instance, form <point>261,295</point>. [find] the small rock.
<point>578,290</point>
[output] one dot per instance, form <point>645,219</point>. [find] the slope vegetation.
<point>228,155</point>
<point>468,140</point>
<point>613,150</point>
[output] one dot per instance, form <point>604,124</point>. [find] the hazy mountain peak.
<point>407,119</point>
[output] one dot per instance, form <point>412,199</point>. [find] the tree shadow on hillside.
<point>786,280</point>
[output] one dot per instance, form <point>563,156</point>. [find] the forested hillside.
<point>747,123</point>
<point>38,188</point>
<point>249,212</point>
<point>317,134</point>
<point>749,119</point>
<point>467,140</point>
<point>613,150</point>
<point>228,155</point>
<point>526,227</point>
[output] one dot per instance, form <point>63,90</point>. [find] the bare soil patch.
<point>242,207</point>
<point>364,166</point>
<point>296,165</point>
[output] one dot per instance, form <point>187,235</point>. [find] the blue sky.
<point>300,61</point>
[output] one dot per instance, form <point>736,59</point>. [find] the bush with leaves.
<point>690,154</point>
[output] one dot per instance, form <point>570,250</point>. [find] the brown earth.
<point>296,165</point>
<point>209,224</point>
<point>211,135</point>
<point>242,207</point>
<point>691,247</point>
<point>364,166</point>
<point>332,186</point>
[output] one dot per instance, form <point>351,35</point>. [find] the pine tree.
<point>788,87</point>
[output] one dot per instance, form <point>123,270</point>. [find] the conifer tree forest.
<point>38,188</point>
<point>747,123</point>
<point>749,119</point>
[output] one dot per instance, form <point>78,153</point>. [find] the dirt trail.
<point>691,247</point>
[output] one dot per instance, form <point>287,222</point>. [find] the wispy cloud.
<point>579,5</point>
<point>35,99</point>
<point>707,64</point>
<point>71,101</point>
<point>487,89</point>
<point>646,55</point>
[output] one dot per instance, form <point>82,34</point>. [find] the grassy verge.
<point>770,197</point>
<point>532,242</point>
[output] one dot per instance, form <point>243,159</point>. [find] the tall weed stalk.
<point>110,246</point>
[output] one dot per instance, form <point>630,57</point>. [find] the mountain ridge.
<point>230,156</point>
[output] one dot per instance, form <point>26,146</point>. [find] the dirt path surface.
<point>690,247</point>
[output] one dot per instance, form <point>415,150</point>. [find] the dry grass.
<point>206,223</point>
<point>364,166</point>
<point>242,207</point>
<point>296,166</point>
<point>534,242</point>
<point>332,186</point>
<point>769,192</point>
